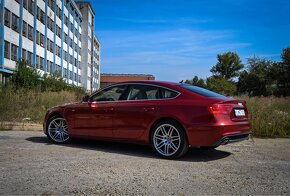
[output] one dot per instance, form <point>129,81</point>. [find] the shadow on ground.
<point>193,155</point>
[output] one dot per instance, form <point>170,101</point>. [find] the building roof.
<point>86,2</point>
<point>127,75</point>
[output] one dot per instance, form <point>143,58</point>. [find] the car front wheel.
<point>57,130</point>
<point>168,140</point>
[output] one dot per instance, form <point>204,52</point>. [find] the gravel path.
<point>30,164</point>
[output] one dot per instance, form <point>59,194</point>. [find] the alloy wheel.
<point>166,140</point>
<point>58,130</point>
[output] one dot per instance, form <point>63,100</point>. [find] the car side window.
<point>143,92</point>
<point>114,93</point>
<point>167,94</point>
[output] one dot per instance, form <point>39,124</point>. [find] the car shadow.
<point>193,155</point>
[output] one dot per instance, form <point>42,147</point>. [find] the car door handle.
<point>148,109</point>
<point>108,109</point>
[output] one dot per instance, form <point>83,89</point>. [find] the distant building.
<point>53,36</point>
<point>90,53</point>
<point>107,79</point>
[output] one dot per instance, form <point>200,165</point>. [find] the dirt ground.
<point>30,164</point>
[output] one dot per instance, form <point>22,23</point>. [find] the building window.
<point>37,62</point>
<point>70,75</point>
<point>29,58</point>
<point>51,47</point>
<point>30,32</point>
<point>65,55</point>
<point>65,72</point>
<point>14,49</point>
<point>37,37</point>
<point>42,63</point>
<point>24,29</point>
<point>71,59</point>
<point>41,39</point>
<point>57,31</point>
<point>75,77</point>
<point>47,44</point>
<point>7,17</point>
<point>7,50</point>
<point>23,54</point>
<point>66,20</point>
<point>25,4</point>
<point>30,6</point>
<point>71,43</point>
<point>41,16</point>
<point>15,22</point>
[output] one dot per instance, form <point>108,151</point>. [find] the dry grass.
<point>17,105</point>
<point>270,116</point>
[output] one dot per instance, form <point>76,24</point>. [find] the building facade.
<point>90,48</point>
<point>45,33</point>
<point>107,79</point>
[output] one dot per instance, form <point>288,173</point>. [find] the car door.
<point>133,116</point>
<point>95,118</point>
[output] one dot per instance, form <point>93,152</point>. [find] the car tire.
<point>168,140</point>
<point>57,130</point>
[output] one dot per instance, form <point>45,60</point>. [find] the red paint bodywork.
<point>132,121</point>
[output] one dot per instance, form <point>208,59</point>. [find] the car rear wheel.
<point>57,130</point>
<point>168,140</point>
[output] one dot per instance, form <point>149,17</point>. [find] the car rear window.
<point>167,94</point>
<point>200,91</point>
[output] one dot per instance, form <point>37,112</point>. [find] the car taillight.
<point>220,109</point>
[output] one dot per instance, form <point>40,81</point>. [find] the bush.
<point>221,85</point>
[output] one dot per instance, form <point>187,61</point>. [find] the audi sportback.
<point>171,117</point>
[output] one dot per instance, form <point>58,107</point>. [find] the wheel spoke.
<point>160,146</point>
<point>173,146</point>
<point>170,131</point>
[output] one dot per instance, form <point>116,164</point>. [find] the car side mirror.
<point>86,98</point>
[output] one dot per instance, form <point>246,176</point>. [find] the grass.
<point>270,116</point>
<point>16,106</point>
<point>6,126</point>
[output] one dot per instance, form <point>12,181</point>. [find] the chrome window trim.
<point>120,101</point>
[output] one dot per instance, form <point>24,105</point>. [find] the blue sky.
<point>177,39</point>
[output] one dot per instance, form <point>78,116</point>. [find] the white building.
<point>90,49</point>
<point>46,33</point>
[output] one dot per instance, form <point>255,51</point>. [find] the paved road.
<point>30,164</point>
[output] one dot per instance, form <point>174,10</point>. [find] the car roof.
<point>149,82</point>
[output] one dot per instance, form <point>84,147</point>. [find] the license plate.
<point>240,113</point>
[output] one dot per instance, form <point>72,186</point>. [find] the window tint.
<point>110,94</point>
<point>200,91</point>
<point>167,94</point>
<point>143,92</point>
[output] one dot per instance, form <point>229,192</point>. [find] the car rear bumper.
<point>216,135</point>
<point>232,138</point>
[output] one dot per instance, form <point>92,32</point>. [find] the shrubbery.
<point>261,77</point>
<point>28,95</point>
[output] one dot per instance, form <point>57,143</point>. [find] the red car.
<point>171,117</point>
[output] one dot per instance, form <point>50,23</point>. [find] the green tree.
<point>284,79</point>
<point>228,66</point>
<point>221,85</point>
<point>257,80</point>
<point>196,81</point>
<point>25,76</point>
